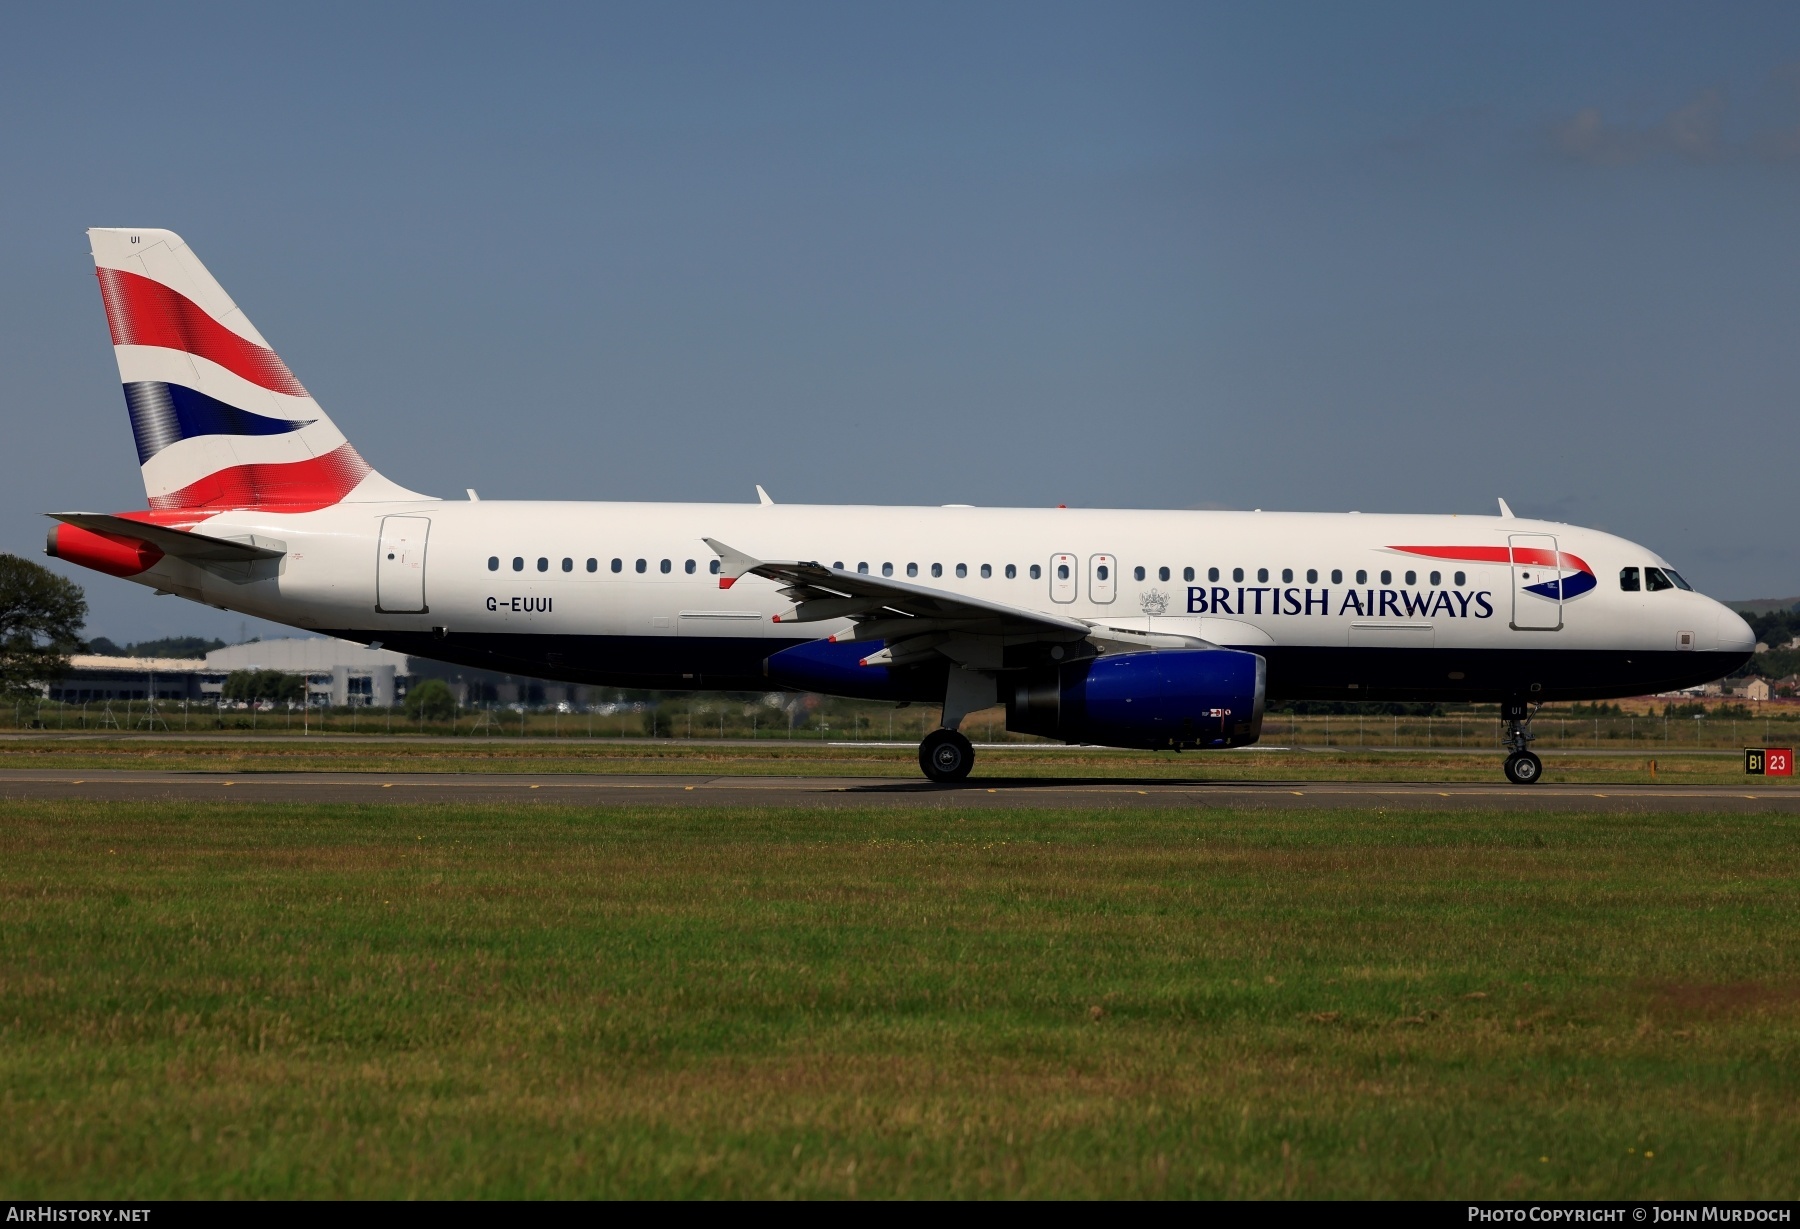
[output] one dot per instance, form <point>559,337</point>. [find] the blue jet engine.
<point>1162,699</point>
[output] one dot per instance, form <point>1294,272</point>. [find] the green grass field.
<point>388,1001</point>
<point>239,755</point>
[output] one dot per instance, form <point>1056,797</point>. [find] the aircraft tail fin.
<point>219,420</point>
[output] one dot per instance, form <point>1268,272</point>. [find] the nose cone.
<point>1735,635</point>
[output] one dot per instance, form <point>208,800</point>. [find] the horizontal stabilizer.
<point>177,543</point>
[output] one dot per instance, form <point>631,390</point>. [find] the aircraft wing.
<point>193,547</point>
<point>917,621</point>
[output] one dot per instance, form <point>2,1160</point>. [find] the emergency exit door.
<point>1103,579</point>
<point>1062,578</point>
<point>400,565</point>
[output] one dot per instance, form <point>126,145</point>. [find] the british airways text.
<point>1365,603</point>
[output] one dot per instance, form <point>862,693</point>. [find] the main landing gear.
<point>1522,767</point>
<point>946,756</point>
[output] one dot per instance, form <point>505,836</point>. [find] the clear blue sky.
<point>1385,257</point>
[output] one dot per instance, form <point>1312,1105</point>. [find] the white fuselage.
<point>639,573</point>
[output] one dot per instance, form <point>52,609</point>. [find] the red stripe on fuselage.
<point>1499,554</point>
<point>294,486</point>
<point>142,312</point>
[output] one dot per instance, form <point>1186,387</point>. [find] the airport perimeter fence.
<point>824,719</point>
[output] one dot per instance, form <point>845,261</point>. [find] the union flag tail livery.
<point>1126,628</point>
<point>220,422</point>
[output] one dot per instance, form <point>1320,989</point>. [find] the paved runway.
<point>617,790</point>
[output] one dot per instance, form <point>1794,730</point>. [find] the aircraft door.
<point>1062,578</point>
<point>1103,578</point>
<point>1537,583</point>
<point>400,565</point>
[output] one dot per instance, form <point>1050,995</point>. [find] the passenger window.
<point>667,567</point>
<point>593,565</point>
<point>493,563</point>
<point>937,569</point>
<point>1162,573</point>
<point>839,565</point>
<point>1062,571</point>
<point>1362,577</point>
<point>1312,576</point>
<point>1262,575</point>
<point>863,568</point>
<point>1287,576</point>
<point>713,567</point>
<point>618,565</point>
<point>1037,572</point>
<point>642,565</point>
<point>1337,576</point>
<point>1237,573</point>
<point>688,567</point>
<point>1655,581</point>
<point>1012,572</point>
<point>518,564</point>
<point>1212,573</point>
<point>887,569</point>
<point>1187,573</point>
<point>1137,573</point>
<point>568,564</point>
<point>1437,578</point>
<point>987,571</point>
<point>543,564</point>
<point>962,570</point>
<point>1461,579</point>
<point>1628,580</point>
<point>1387,577</point>
<point>912,569</point>
<point>1412,578</point>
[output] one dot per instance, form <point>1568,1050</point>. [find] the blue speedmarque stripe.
<point>163,413</point>
<point>1572,586</point>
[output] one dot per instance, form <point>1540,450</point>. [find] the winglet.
<point>1506,511</point>
<point>762,496</point>
<point>732,563</point>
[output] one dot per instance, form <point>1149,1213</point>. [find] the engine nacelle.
<point>1169,698</point>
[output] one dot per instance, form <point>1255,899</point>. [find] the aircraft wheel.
<point>1524,768</point>
<point>946,756</point>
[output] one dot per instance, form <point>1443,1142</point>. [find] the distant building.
<point>337,672</point>
<point>1753,688</point>
<point>92,677</point>
<point>340,671</point>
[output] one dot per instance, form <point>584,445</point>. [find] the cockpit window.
<point>1655,581</point>
<point>1679,583</point>
<point>1628,580</point>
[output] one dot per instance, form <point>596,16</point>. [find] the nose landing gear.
<point>1522,767</point>
<point>946,756</point>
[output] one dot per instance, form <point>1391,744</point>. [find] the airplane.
<point>1168,630</point>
